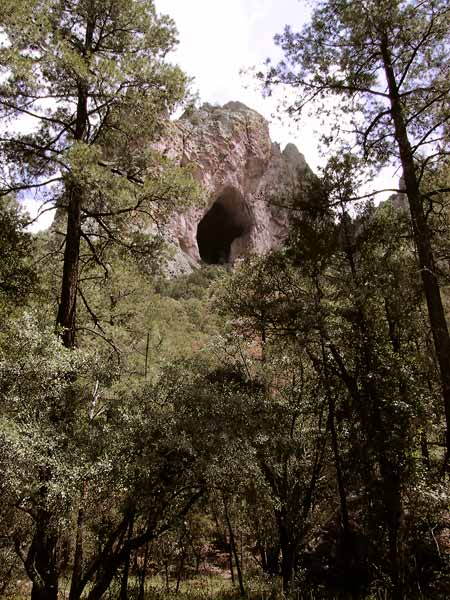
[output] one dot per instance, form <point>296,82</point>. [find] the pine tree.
<point>90,81</point>
<point>388,64</point>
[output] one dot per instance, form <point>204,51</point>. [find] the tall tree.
<point>388,64</point>
<point>88,83</point>
<point>339,312</point>
<point>89,80</point>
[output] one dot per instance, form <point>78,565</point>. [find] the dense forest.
<point>279,429</point>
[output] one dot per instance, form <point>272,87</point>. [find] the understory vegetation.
<point>279,429</point>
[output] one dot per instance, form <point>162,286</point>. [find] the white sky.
<point>220,38</point>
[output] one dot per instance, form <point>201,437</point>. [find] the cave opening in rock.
<point>227,220</point>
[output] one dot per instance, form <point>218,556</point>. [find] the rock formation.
<point>241,170</point>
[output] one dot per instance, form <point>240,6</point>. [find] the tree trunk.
<point>126,567</point>
<point>273,560</point>
<point>345,523</point>
<point>41,559</point>
<point>262,556</point>
<point>104,579</point>
<point>166,572</point>
<point>424,450</point>
<point>234,549</point>
<point>180,571</point>
<point>77,570</point>
<point>69,286</point>
<point>230,558</point>
<point>287,555</point>
<point>422,237</point>
<point>74,195</point>
<point>105,566</point>
<point>143,574</point>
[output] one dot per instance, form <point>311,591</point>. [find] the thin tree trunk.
<point>141,594</point>
<point>230,559</point>
<point>424,450</point>
<point>180,571</point>
<point>146,355</point>
<point>345,523</point>
<point>287,554</point>
<point>422,237</point>
<point>105,567</point>
<point>234,549</point>
<point>126,567</point>
<point>166,571</point>
<point>77,570</point>
<point>262,556</point>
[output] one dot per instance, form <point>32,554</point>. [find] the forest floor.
<point>215,585</point>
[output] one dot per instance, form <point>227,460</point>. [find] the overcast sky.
<point>218,39</point>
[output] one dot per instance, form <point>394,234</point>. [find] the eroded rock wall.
<point>240,169</point>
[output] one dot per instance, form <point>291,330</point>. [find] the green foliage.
<point>45,400</point>
<point>17,273</point>
<point>341,52</point>
<point>290,407</point>
<point>125,87</point>
<point>332,328</point>
<point>387,64</point>
<point>36,425</point>
<point>94,82</point>
<point>67,445</point>
<point>193,285</point>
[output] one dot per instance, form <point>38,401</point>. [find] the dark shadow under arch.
<point>226,220</point>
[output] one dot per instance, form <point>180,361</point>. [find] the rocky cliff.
<point>241,170</point>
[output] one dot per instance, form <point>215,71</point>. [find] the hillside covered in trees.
<point>276,428</point>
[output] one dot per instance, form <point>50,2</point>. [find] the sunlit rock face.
<point>241,171</point>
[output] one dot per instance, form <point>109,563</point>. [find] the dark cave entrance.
<point>226,220</point>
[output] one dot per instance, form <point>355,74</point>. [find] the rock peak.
<point>233,158</point>
<point>232,106</point>
<point>236,106</point>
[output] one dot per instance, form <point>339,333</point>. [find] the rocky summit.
<point>232,156</point>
